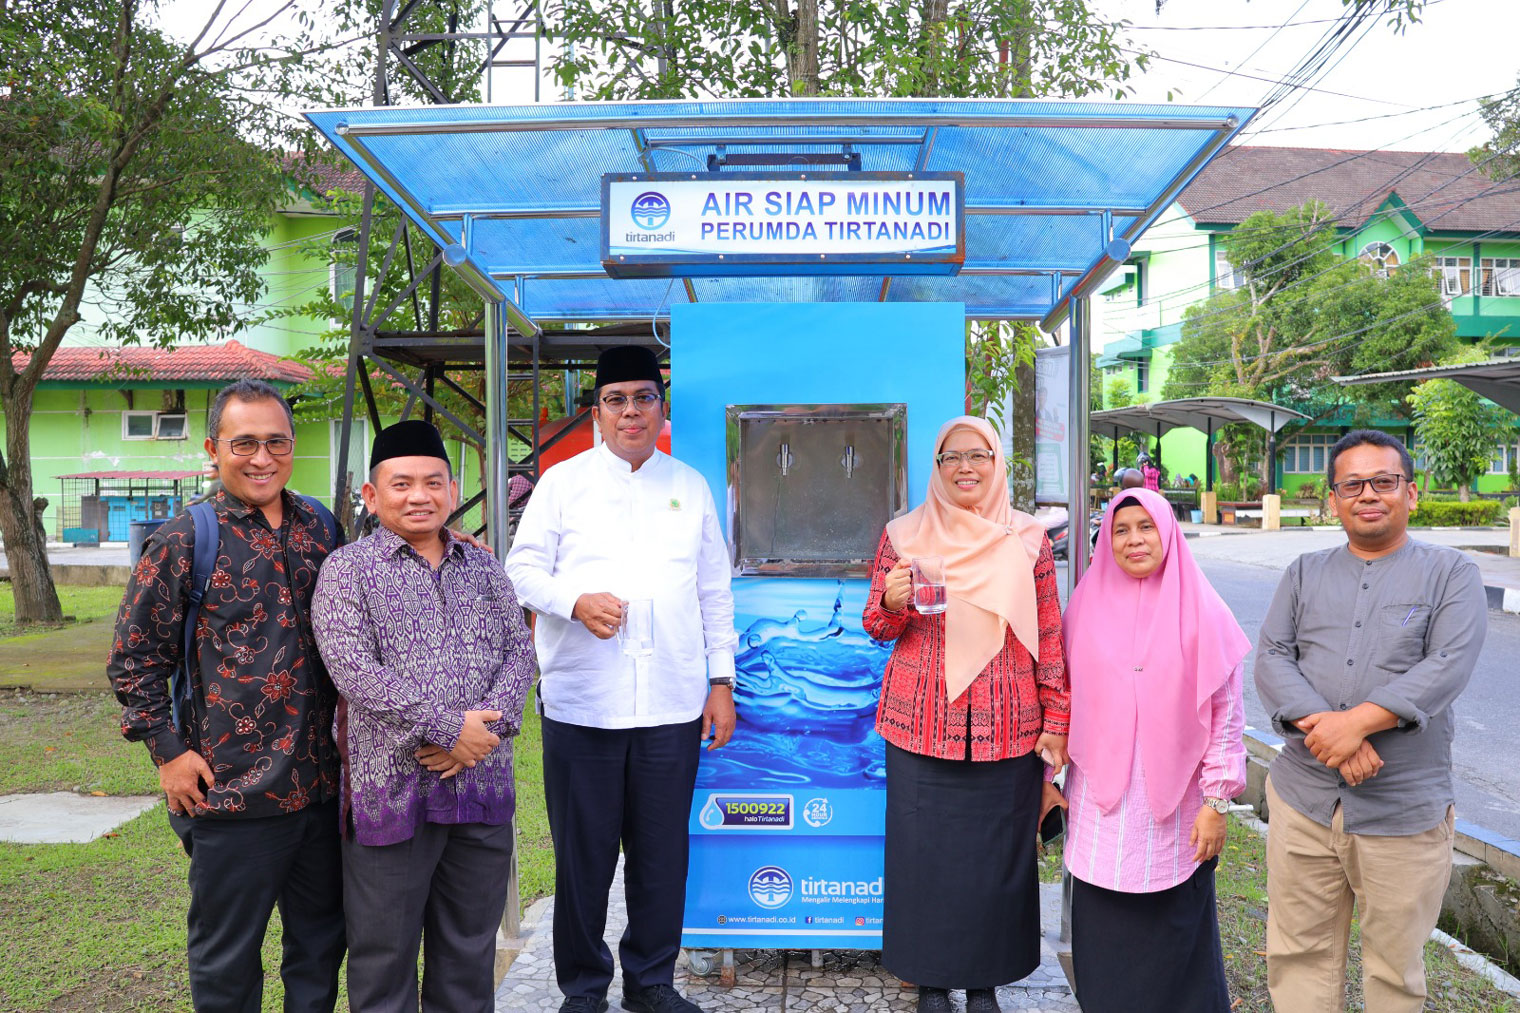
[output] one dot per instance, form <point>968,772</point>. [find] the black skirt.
<point>961,898</point>
<point>1140,952</point>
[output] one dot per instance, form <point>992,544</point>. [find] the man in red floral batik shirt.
<point>250,770</point>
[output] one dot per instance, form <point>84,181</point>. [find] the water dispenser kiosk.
<point>817,319</point>
<point>829,414</point>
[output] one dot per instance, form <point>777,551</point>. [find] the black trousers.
<point>240,869</point>
<point>604,787</point>
<point>448,885</point>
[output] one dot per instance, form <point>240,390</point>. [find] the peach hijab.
<point>990,550</point>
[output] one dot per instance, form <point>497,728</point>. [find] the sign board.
<point>1052,393</point>
<point>749,224</point>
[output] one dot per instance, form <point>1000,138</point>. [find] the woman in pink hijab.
<point>971,699</point>
<point>1156,754</point>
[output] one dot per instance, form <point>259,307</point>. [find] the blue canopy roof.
<point>1055,191</point>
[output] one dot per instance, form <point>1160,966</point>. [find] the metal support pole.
<point>1271,455</point>
<point>1080,341</point>
<point>1208,459</point>
<point>495,341</point>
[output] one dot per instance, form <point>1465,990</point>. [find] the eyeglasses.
<point>643,402</point>
<point>976,458</point>
<point>247,446</point>
<point>1352,487</point>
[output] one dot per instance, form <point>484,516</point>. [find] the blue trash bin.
<point>137,534</point>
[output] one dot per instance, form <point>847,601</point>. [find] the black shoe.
<point>657,999</point>
<point>933,1000</point>
<point>583,1004</point>
<point>982,1000</point>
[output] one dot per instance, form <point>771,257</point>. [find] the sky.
<point>1461,50</point>
<point>1230,52</point>
<point>1412,91</point>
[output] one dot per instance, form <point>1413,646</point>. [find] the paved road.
<point>1486,753</point>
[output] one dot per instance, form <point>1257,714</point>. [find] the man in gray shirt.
<point>1362,652</point>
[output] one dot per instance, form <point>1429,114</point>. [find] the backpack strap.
<point>207,543</point>
<point>334,533</point>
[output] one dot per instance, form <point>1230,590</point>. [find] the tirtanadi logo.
<point>770,887</point>
<point>650,210</point>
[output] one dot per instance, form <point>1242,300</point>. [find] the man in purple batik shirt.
<point>425,640</point>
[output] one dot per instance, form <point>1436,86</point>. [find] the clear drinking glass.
<point>636,635</point>
<point>929,585</point>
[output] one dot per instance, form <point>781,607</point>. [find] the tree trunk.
<point>933,13</point>
<point>1464,492</point>
<point>25,553</point>
<point>802,60</point>
<point>1021,428</point>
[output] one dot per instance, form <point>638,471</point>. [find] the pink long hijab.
<point>990,550</point>
<point>1144,656</point>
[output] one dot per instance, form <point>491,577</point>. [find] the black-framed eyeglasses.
<point>247,446</point>
<point>643,402</point>
<point>977,458</point>
<point>1352,487</point>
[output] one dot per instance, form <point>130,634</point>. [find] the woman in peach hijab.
<point>971,701</point>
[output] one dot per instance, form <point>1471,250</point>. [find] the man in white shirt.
<point>621,523</point>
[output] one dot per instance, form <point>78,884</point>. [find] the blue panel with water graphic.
<point>808,679</point>
<point>787,819</point>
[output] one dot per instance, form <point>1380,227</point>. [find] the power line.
<point>1510,186</point>
<point>1253,77</point>
<point>1259,48</point>
<point>1379,116</point>
<point>1493,189</point>
<point>1243,28</point>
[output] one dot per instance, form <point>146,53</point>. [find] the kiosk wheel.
<point>703,962</point>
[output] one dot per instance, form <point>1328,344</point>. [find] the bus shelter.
<point>1205,414</point>
<point>810,265</point>
<point>1497,379</point>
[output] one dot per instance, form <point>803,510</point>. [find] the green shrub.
<point>1442,513</point>
<point>1228,492</point>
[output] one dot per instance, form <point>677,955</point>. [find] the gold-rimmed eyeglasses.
<point>643,402</point>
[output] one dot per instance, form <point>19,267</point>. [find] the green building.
<point>1392,207</point>
<point>126,424</point>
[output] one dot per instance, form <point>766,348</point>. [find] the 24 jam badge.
<point>817,813</point>
<point>770,887</point>
<point>650,210</point>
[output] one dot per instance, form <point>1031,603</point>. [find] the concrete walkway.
<point>844,981</point>
<point>98,567</point>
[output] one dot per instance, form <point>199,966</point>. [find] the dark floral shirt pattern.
<point>412,648</point>
<point>261,704</point>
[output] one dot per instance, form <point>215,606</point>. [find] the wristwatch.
<point>1219,805</point>
<point>721,680</point>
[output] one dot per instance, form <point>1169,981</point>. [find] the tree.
<point>1301,316</point>
<point>896,48</point>
<point>1457,429</point>
<point>137,175</point>
<point>1500,156</point>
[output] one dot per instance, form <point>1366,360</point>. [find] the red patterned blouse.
<point>1008,705</point>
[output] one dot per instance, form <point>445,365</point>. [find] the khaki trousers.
<point>1314,874</point>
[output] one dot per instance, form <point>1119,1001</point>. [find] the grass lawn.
<point>1241,885</point>
<point>84,604</point>
<point>101,926</point>
<point>1242,889</point>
